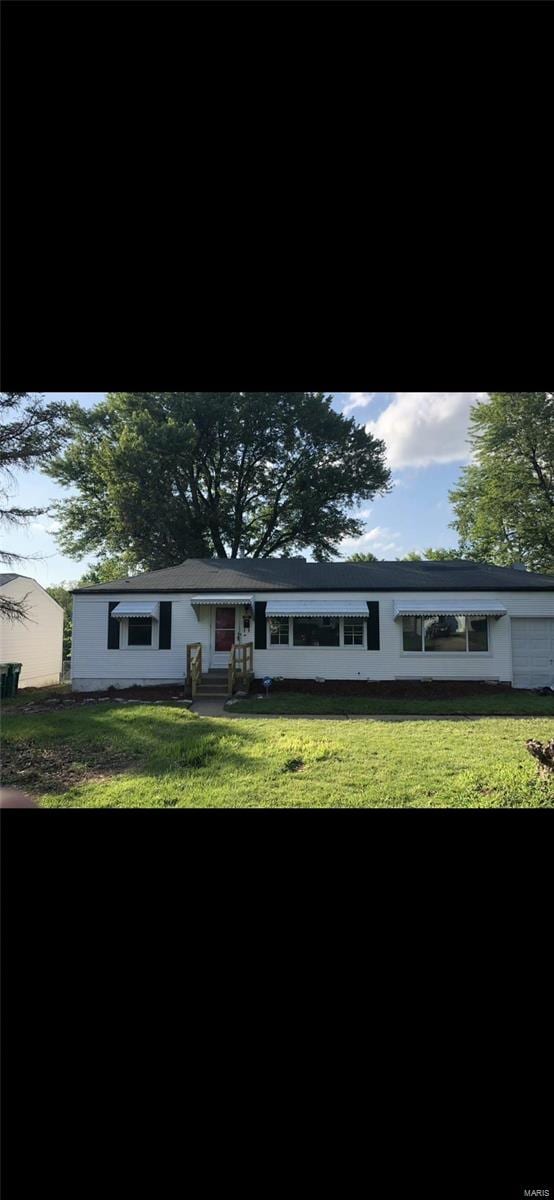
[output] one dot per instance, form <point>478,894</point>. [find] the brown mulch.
<point>172,692</point>
<point>400,689</point>
<point>57,768</point>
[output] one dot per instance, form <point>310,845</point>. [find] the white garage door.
<point>533,651</point>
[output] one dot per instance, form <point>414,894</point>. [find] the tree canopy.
<point>504,502</point>
<point>162,476</point>
<point>364,556</point>
<point>433,554</point>
<point>62,595</point>
<point>30,431</point>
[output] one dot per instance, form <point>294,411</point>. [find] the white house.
<point>37,641</point>
<point>374,621</point>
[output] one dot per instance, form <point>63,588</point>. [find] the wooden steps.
<point>213,685</point>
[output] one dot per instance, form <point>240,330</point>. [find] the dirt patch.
<point>294,765</point>
<point>413,689</point>
<point>58,768</point>
<point>61,703</point>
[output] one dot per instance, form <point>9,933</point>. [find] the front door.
<point>224,635</point>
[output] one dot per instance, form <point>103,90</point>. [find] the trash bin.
<point>16,672</point>
<point>10,679</point>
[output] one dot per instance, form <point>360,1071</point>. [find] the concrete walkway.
<point>209,707</point>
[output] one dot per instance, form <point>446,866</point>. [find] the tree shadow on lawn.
<point>65,750</point>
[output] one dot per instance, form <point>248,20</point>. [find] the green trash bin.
<point>15,673</point>
<point>10,680</point>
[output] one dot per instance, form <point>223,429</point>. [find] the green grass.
<point>502,704</point>
<point>164,757</point>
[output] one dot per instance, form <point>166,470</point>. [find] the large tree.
<point>433,554</point>
<point>62,595</point>
<point>162,476</point>
<point>504,502</point>
<point>31,431</point>
<point>362,556</point>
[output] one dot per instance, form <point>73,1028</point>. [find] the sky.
<point>426,438</point>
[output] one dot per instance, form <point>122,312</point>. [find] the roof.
<point>297,575</point>
<point>29,579</point>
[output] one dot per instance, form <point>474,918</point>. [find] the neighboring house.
<point>363,621</point>
<point>37,641</point>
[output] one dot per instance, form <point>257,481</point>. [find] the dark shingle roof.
<point>7,579</point>
<point>289,574</point>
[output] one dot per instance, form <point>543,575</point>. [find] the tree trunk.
<point>544,755</point>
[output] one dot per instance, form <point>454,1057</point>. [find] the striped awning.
<point>231,600</point>
<point>451,608</point>
<point>317,608</point>
<point>137,608</point>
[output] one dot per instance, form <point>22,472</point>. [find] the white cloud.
<point>358,400</point>
<point>40,527</point>
<point>380,540</point>
<point>422,428</point>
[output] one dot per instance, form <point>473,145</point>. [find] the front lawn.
<point>516,703</point>
<point>143,756</point>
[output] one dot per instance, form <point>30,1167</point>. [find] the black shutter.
<point>373,640</point>
<point>165,625</point>
<point>260,640</point>
<point>113,627</point>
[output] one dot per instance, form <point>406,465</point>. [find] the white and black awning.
<point>136,608</point>
<point>453,608</point>
<point>230,601</point>
<point>317,608</point>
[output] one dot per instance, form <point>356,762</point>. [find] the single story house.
<point>37,641</point>
<point>305,620</point>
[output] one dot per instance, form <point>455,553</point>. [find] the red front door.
<point>224,628</point>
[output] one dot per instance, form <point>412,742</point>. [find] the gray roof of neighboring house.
<point>290,574</point>
<point>7,579</point>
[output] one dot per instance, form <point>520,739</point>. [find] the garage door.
<point>533,651</point>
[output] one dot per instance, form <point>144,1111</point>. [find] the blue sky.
<point>426,438</point>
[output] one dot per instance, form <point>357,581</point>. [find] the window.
<point>139,631</point>
<point>316,631</point>
<point>279,631</point>
<point>477,633</point>
<point>412,633</point>
<point>353,632</point>
<point>445,633</point>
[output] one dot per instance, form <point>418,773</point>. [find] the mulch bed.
<point>174,691</point>
<point>397,689</point>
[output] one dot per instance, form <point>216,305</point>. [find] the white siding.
<point>37,643</point>
<point>390,662</point>
<point>94,666</point>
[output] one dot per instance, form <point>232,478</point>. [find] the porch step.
<point>211,695</point>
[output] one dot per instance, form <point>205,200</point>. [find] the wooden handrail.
<point>194,665</point>
<point>244,651</point>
